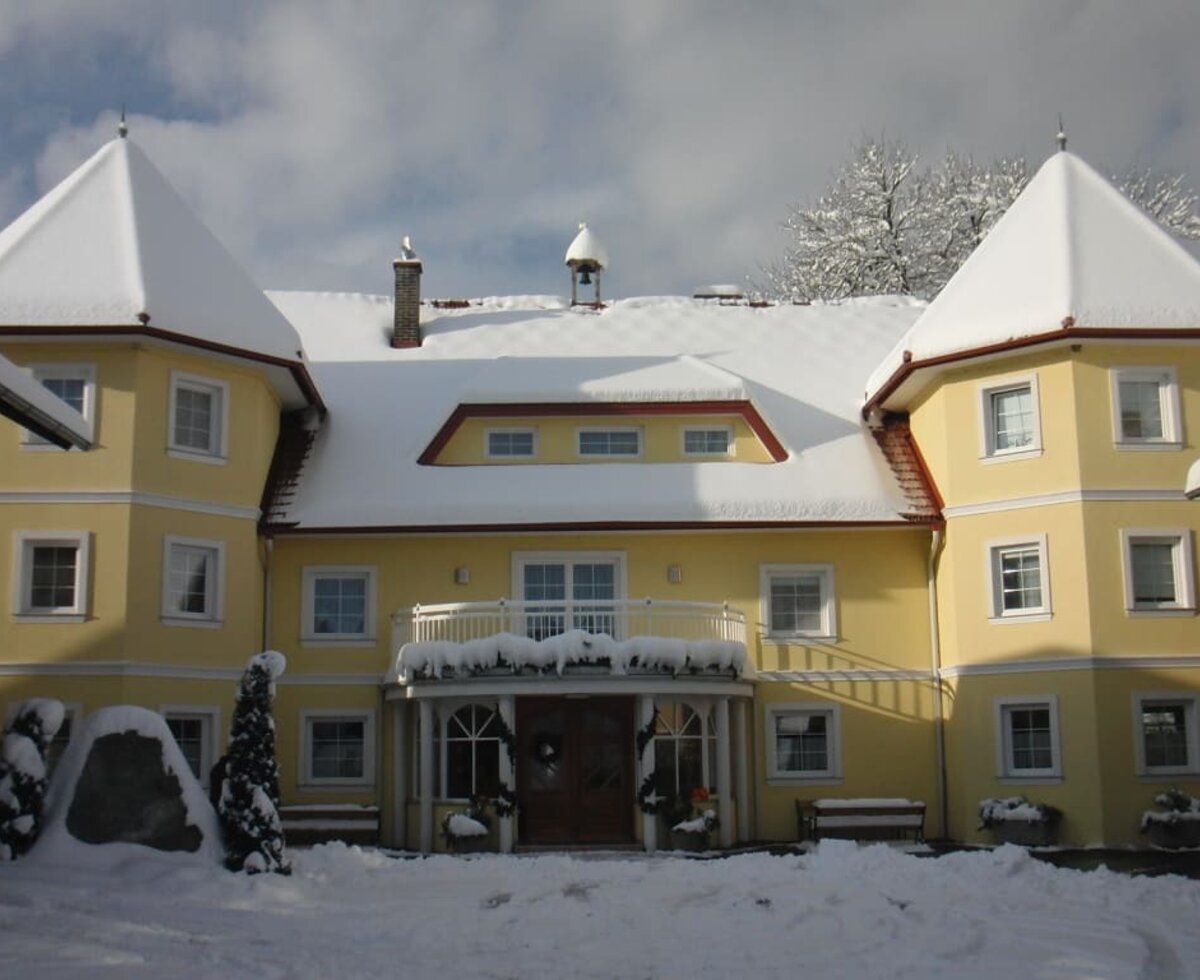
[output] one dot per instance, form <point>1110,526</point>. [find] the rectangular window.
<point>74,384</point>
<point>194,730</point>
<point>798,601</point>
<point>1165,732</point>
<point>52,574</point>
<point>338,747</point>
<point>192,575</point>
<point>1028,737</point>
<point>715,441</point>
<point>563,592</point>
<point>198,417</point>
<point>1158,570</point>
<point>610,442</point>
<point>1019,578</point>
<point>339,603</point>
<point>511,443</point>
<point>1011,422</point>
<point>804,741</point>
<point>1145,408</point>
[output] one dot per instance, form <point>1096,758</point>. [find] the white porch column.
<point>399,774</point>
<point>426,792</point>
<point>644,768</point>
<point>724,782</point>
<point>507,709</point>
<point>741,752</point>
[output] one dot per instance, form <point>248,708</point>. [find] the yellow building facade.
<point>592,562</point>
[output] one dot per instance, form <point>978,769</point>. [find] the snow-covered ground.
<point>843,911</point>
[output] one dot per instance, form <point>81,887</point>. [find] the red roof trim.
<point>614,526</point>
<point>298,369</point>
<point>1067,333</point>
<point>491,410</point>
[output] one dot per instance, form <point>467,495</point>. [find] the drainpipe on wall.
<point>935,673</point>
<point>269,542</point>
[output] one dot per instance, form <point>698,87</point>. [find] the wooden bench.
<point>316,823</point>
<point>861,819</point>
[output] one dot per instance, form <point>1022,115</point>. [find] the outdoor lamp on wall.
<point>462,575</point>
<point>674,574</point>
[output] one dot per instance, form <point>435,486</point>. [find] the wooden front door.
<point>575,770</point>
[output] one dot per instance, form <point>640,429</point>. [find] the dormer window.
<point>707,441</point>
<point>613,443</point>
<point>518,443</point>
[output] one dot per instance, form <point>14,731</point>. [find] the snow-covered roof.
<point>802,368</point>
<point>113,248</point>
<point>24,400</point>
<point>586,247</point>
<point>1072,252</point>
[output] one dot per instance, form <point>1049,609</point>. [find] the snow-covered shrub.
<point>703,824</point>
<point>23,774</point>
<point>1176,807</point>
<point>471,824</point>
<point>1016,809</point>
<point>249,796</point>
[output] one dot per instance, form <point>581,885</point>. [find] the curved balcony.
<point>620,634</point>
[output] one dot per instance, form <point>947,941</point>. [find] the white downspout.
<point>935,673</point>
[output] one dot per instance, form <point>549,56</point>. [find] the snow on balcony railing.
<point>622,634</point>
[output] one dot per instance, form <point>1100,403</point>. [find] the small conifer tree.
<point>23,774</point>
<point>249,795</point>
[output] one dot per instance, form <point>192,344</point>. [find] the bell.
<point>585,276</point>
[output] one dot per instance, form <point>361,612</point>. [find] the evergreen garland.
<point>505,802</point>
<point>23,774</point>
<point>645,734</point>
<point>648,800</point>
<point>249,799</point>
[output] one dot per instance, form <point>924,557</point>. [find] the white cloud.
<point>679,128</point>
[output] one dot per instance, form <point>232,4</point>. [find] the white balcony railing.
<point>698,626</point>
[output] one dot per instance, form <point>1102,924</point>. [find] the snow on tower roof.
<point>114,249</point>
<point>801,368</point>
<point>1072,252</point>
<point>27,402</point>
<point>586,247</point>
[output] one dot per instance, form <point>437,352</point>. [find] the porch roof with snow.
<point>1072,257</point>
<point>114,251</point>
<point>801,368</point>
<point>28,403</point>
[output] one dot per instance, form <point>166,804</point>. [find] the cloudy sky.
<point>311,135</point>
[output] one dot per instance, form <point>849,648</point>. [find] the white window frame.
<point>987,430</point>
<point>1006,771</point>
<point>730,448</point>
<point>636,429</point>
<point>995,551</point>
<point>53,371</point>
<point>217,451</point>
<point>828,630</point>
<point>1168,395</point>
<point>367,717</point>
<point>833,773</point>
<point>24,543</point>
<point>210,717</point>
<point>616,558</point>
<point>529,430</point>
<point>1189,702</point>
<point>309,576</point>
<point>444,712</point>
<point>214,614</point>
<point>1180,539</point>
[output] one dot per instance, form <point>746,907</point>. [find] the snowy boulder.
<point>124,780</point>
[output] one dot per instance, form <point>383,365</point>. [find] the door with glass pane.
<point>579,595</point>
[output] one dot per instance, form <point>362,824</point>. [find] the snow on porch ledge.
<point>466,639</point>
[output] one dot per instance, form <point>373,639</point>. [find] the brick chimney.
<point>406,331</point>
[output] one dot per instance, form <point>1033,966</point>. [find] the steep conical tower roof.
<point>1071,252</point>
<point>113,248</point>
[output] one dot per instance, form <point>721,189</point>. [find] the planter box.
<point>689,840</point>
<point>469,845</point>
<point>1180,833</point>
<point>1026,833</point>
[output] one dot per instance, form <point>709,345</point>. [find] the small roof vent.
<point>587,258</point>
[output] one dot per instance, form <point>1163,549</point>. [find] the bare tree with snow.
<point>885,226</point>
